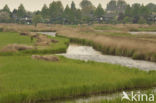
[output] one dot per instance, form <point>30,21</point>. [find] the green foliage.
<point>6,9</point>
<point>56,11</point>
<point>99,11</point>
<point>117,11</point>
<point>45,11</point>
<point>4,17</point>
<point>24,80</point>
<point>127,19</point>
<point>142,21</point>
<point>73,6</point>
<point>71,15</point>
<point>21,12</point>
<point>1,29</point>
<point>37,19</point>
<point>112,5</point>
<point>87,8</point>
<point>151,6</point>
<point>139,13</point>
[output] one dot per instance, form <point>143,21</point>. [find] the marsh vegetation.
<point>28,80</point>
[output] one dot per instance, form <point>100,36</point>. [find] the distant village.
<point>117,11</point>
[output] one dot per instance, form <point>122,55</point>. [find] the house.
<point>106,18</point>
<point>26,20</point>
<point>152,17</point>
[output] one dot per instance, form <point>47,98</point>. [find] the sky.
<point>33,5</point>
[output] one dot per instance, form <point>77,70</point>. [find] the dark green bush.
<point>1,29</point>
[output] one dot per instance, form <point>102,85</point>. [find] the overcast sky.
<point>32,5</point>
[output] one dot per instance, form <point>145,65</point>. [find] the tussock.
<point>16,47</point>
<point>42,40</point>
<point>24,33</point>
<point>46,58</point>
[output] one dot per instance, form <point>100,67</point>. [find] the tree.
<point>152,7</point>
<point>4,17</point>
<point>73,7</point>
<point>37,19</point>
<point>128,11</point>
<point>55,11</point>
<point>21,12</point>
<point>67,14</point>
<point>87,8</point>
<point>99,11</point>
<point>75,16</point>
<point>121,6</point>
<point>6,9</point>
<point>142,20</point>
<point>127,20</point>
<point>45,11</point>
<point>112,6</point>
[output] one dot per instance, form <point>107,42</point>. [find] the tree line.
<point>117,11</point>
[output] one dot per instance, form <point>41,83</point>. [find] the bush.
<point>138,55</point>
<point>1,29</point>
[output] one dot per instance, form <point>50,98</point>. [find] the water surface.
<point>142,33</point>
<point>87,53</point>
<point>53,34</point>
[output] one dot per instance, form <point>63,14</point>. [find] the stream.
<point>142,33</point>
<point>87,53</point>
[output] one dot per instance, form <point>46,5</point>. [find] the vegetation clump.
<point>16,47</point>
<point>46,58</point>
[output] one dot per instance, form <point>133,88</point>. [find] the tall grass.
<point>131,46</point>
<point>24,80</point>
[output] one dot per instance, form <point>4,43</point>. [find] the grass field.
<point>7,38</point>
<point>12,37</point>
<point>23,79</point>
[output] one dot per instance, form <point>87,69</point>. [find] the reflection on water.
<point>87,53</point>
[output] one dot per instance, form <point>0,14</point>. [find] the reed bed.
<point>130,46</point>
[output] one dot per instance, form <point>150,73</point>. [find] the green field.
<point>25,79</point>
<point>12,37</point>
<point>7,38</point>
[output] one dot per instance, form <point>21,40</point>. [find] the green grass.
<point>119,34</point>
<point>23,80</point>
<point>59,47</point>
<point>106,28</point>
<point>13,38</point>
<point>147,29</point>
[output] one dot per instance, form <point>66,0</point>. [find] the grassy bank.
<point>13,37</point>
<point>113,42</point>
<point>120,51</point>
<point>24,80</point>
<point>7,38</point>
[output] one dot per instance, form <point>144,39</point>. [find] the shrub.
<point>1,29</point>
<point>138,55</point>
